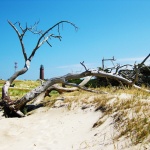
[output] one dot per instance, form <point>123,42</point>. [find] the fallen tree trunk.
<point>10,106</point>
<point>63,88</point>
<point>19,104</point>
<point>13,108</point>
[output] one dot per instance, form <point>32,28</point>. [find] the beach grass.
<point>128,107</point>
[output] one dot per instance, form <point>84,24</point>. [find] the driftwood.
<point>16,106</point>
<point>19,104</point>
<point>61,89</point>
<point>56,87</point>
<point>44,37</point>
<point>137,73</point>
<point>13,108</point>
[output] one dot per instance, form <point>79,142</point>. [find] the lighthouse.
<point>42,72</point>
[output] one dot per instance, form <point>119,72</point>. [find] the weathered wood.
<point>48,84</point>
<point>44,37</point>
<point>62,89</point>
<point>13,108</point>
<point>19,104</point>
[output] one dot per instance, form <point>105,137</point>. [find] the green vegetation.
<point>21,87</point>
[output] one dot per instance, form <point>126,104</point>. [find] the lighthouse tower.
<point>42,72</point>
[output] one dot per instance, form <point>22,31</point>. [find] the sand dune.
<point>48,129</point>
<point>59,129</point>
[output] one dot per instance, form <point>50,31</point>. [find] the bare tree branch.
<point>84,88</point>
<point>19,104</point>
<point>16,106</point>
<point>136,75</point>
<point>39,43</point>
<point>8,104</point>
<point>20,36</point>
<point>82,63</point>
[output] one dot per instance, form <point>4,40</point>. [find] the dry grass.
<point>130,108</point>
<point>130,111</point>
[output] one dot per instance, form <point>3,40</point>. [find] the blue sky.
<point>107,28</point>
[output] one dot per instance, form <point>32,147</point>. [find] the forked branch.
<point>82,63</point>
<point>20,36</point>
<point>44,37</point>
<point>41,42</point>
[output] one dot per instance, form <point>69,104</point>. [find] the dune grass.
<point>129,107</point>
<point>130,111</point>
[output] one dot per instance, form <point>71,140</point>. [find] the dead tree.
<point>13,108</point>
<point>44,37</point>
<point>63,79</point>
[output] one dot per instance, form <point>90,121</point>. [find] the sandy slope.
<point>48,129</point>
<point>59,129</point>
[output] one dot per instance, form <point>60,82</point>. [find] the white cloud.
<point>79,68</point>
<point>133,60</point>
<point>70,66</point>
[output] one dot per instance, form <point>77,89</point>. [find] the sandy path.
<point>53,129</point>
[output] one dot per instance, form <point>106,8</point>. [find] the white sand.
<point>53,129</point>
<point>57,129</point>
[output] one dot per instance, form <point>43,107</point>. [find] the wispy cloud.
<point>132,60</point>
<point>69,66</point>
<point>123,61</point>
<point>77,67</point>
